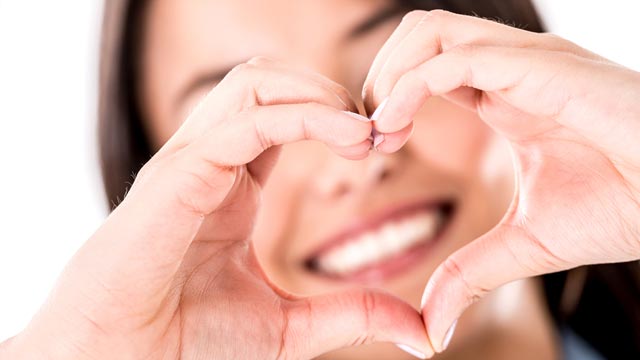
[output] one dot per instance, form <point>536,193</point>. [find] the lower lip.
<point>396,265</point>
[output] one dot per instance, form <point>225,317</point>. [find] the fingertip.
<point>350,130</point>
<point>449,335</point>
<point>393,142</point>
<point>411,351</point>
<point>377,138</point>
<point>445,298</point>
<point>379,110</point>
<point>357,116</point>
<point>391,116</point>
<point>355,152</point>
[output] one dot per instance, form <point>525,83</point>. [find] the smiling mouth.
<point>383,246</point>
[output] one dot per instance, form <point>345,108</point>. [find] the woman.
<point>173,273</point>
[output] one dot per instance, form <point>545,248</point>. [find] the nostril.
<point>384,174</point>
<point>341,190</point>
<point>380,169</point>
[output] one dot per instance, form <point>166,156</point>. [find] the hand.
<point>172,273</point>
<point>573,120</point>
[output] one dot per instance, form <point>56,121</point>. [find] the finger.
<point>193,176</point>
<point>407,24</point>
<point>438,31</point>
<point>464,97</point>
<point>261,167</point>
<point>355,152</point>
<point>394,141</point>
<point>260,128</point>
<point>140,247</point>
<point>505,254</point>
<point>322,324</point>
<point>515,75</point>
<point>340,91</point>
<point>259,82</point>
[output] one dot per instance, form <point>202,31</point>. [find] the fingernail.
<point>449,335</point>
<point>378,138</point>
<point>425,294</point>
<point>411,351</point>
<point>378,112</point>
<point>423,300</point>
<point>357,116</point>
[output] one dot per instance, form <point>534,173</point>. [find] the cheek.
<point>450,138</point>
<point>456,142</point>
<point>287,183</point>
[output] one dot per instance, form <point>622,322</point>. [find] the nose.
<point>340,178</point>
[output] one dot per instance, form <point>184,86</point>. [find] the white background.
<point>51,199</point>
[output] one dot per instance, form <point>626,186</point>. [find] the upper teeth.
<point>383,243</point>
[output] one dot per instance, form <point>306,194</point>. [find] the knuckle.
<point>260,60</point>
<point>362,339</point>
<point>240,70</point>
<point>553,39</point>
<point>556,42</point>
<point>546,259</point>
<point>191,183</point>
<point>261,136</point>
<point>146,170</point>
<point>199,185</point>
<point>368,303</point>
<point>438,15</point>
<point>154,169</point>
<point>559,43</point>
<point>453,270</point>
<point>414,15</point>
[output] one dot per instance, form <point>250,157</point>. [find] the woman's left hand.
<point>573,120</point>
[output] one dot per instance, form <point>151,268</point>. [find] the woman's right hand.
<point>172,273</point>
<point>571,118</point>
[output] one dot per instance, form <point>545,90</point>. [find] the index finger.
<point>437,31</point>
<point>408,23</point>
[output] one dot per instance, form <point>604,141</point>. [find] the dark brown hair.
<point>600,303</point>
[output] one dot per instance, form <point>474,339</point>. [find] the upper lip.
<point>361,226</point>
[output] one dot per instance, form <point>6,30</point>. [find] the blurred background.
<point>51,196</point>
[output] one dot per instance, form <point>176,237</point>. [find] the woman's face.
<point>328,223</point>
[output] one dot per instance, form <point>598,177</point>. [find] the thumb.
<point>324,323</point>
<point>506,253</point>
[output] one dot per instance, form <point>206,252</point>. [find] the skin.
<point>310,182</point>
<point>173,272</point>
<point>568,115</point>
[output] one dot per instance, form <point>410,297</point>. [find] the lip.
<point>396,264</point>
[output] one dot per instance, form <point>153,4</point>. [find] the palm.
<point>211,305</point>
<point>569,188</point>
<point>219,303</point>
<point>571,117</point>
<point>223,305</point>
<point>218,307</point>
<point>210,315</point>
